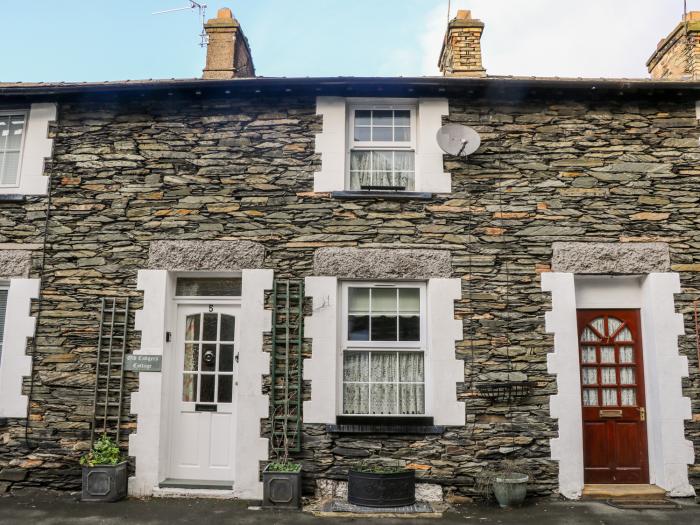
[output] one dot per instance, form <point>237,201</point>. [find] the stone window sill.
<point>387,195</point>
<point>384,425</point>
<point>12,197</point>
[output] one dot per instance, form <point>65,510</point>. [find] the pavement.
<point>40,508</point>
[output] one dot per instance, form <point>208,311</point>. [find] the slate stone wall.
<point>127,173</point>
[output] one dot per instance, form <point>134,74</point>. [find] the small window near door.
<point>208,287</point>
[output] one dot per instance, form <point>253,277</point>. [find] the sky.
<point>93,40</point>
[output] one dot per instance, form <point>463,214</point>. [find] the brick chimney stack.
<point>677,57</point>
<point>461,49</point>
<point>228,54</point>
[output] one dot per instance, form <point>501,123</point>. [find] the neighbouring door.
<point>202,426</point>
<point>612,383</point>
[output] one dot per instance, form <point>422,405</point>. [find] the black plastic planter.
<point>281,490</point>
<point>368,489</point>
<point>105,483</point>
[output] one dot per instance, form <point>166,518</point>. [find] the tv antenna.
<point>202,8</point>
<point>458,140</point>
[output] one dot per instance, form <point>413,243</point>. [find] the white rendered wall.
<point>321,369</point>
<point>252,405</point>
<point>332,144</point>
<point>15,364</point>
<point>37,147</point>
<point>669,452</point>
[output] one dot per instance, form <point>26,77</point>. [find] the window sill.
<point>384,425</point>
<point>11,197</point>
<point>387,195</point>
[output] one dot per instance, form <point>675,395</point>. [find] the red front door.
<point>612,384</point>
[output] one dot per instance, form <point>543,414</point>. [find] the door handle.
<point>642,414</point>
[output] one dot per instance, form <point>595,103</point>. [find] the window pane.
<point>411,399</point>
<point>358,300</point>
<point>208,287</point>
<point>405,180</point>
<point>613,325</point>
<point>228,327</point>
<point>383,117</point>
<point>384,399</point>
<point>192,328</point>
<point>590,397</point>
<point>361,161</point>
<point>402,134</point>
<point>402,117</point>
<point>382,134</point>
<point>384,300</point>
<point>225,394</point>
<point>363,134</point>
<point>609,397</point>
<point>608,376</point>
<point>627,376</point>
<point>356,366</point>
<point>206,392</point>
<point>409,300</point>
<point>209,357</point>
<point>629,397</point>
<point>607,354</point>
<point>226,358</point>
<point>382,161</point>
<point>409,328</point>
<point>211,326</point>
<point>191,357</point>
<point>626,354</point>
<point>411,367</point>
<point>189,388</point>
<point>358,327</point>
<point>16,131</point>
<point>355,398</point>
<point>383,328</point>
<point>624,335</point>
<point>3,309</point>
<point>588,354</point>
<point>588,335</point>
<point>363,117</point>
<point>383,367</point>
<point>589,376</point>
<point>9,167</point>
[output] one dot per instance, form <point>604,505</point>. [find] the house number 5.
<point>211,307</point>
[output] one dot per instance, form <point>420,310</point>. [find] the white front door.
<point>202,418</point>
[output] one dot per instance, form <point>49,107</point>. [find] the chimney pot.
<point>464,14</point>
<point>461,48</point>
<point>228,53</point>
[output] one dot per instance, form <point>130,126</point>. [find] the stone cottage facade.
<point>562,257</point>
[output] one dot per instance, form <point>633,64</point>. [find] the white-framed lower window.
<point>12,133</point>
<point>4,290</point>
<point>383,349</point>
<point>382,147</point>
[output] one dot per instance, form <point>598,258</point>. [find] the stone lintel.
<point>211,256</point>
<point>377,263</point>
<point>15,263</point>
<point>610,258</point>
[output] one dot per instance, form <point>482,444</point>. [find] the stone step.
<point>622,491</point>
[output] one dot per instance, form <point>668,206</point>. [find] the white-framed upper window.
<point>4,290</point>
<point>381,147</point>
<point>12,132</point>
<point>383,349</point>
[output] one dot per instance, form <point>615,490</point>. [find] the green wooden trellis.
<point>286,366</point>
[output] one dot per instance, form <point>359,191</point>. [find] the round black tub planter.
<point>368,489</point>
<point>281,490</point>
<point>105,483</point>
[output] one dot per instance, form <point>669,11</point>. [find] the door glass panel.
<point>191,357</point>
<point>189,388</point>
<point>626,354</point>
<point>228,327</point>
<point>589,376</point>
<point>208,358</point>
<point>627,376</point>
<point>607,354</point>
<point>590,397</point>
<point>624,335</point>
<point>210,332</point>
<point>588,354</point>
<point>613,326</point>
<point>608,376</point>
<point>225,388</point>
<point>192,328</point>
<point>629,397</point>
<point>589,336</point>
<point>208,287</point>
<point>609,397</point>
<point>206,391</point>
<point>599,325</point>
<point>226,358</point>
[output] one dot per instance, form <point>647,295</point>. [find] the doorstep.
<point>622,491</point>
<point>187,488</point>
<point>339,508</point>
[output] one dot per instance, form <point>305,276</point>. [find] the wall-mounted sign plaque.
<point>143,363</point>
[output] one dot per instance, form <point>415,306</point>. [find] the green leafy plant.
<point>283,467</point>
<point>104,452</point>
<point>378,469</point>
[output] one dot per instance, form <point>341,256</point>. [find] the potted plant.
<point>104,472</point>
<point>508,484</point>
<point>282,480</point>
<point>381,486</point>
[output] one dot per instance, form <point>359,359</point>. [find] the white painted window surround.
<point>443,369</point>
<point>35,149</point>
<point>15,364</point>
<point>150,403</point>
<point>333,143</point>
<point>669,452</point>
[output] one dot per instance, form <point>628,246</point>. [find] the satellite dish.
<point>457,139</point>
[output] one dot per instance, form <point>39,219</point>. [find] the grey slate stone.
<point>377,263</point>
<point>610,258</point>
<point>205,255</point>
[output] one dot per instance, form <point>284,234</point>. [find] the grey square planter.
<point>105,483</point>
<point>281,490</point>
